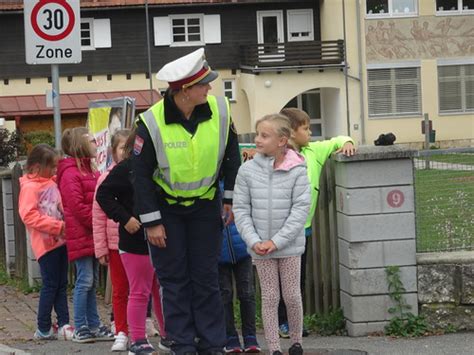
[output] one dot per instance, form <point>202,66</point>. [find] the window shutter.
<point>300,22</point>
<point>449,86</point>
<point>469,75</point>
<point>407,91</point>
<point>102,35</point>
<point>212,29</point>
<point>380,92</point>
<point>162,30</point>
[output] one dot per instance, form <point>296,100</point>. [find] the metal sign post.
<point>53,36</point>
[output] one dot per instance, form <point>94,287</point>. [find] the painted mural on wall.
<point>419,38</point>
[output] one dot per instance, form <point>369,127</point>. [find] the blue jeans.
<point>53,294</point>
<point>84,298</point>
<point>244,284</point>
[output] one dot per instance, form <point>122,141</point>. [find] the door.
<point>270,33</point>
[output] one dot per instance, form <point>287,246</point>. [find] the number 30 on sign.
<point>52,31</point>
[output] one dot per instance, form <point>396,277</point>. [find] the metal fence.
<point>444,199</point>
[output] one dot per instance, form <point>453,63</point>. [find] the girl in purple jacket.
<point>77,178</point>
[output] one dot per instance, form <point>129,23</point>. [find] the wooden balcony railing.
<point>291,55</point>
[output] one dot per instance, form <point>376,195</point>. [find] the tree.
<point>8,146</point>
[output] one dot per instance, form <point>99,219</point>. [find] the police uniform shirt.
<point>145,162</point>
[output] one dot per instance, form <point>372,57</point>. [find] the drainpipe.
<point>148,51</point>
<point>346,79</point>
<point>361,82</point>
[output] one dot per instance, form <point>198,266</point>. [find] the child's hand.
<point>104,260</point>
<point>269,246</point>
<point>347,149</point>
<point>258,249</point>
<point>133,225</point>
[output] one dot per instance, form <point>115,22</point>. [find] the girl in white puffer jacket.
<point>271,204</point>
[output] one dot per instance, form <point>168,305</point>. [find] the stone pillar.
<point>376,229</point>
<point>7,196</point>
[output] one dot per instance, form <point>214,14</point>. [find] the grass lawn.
<point>444,208</point>
<point>459,158</point>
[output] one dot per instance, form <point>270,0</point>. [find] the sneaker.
<point>141,347</point>
<point>233,345</point>
<point>120,343</point>
<point>251,344</point>
<point>66,332</point>
<point>165,344</point>
<point>151,331</point>
<point>39,335</point>
<point>112,327</point>
<point>283,330</point>
<point>295,349</point>
<point>83,335</point>
<point>103,334</point>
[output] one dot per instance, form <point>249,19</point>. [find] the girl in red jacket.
<point>41,210</point>
<point>77,179</point>
<point>106,238</point>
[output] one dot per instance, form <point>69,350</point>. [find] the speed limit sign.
<point>52,31</point>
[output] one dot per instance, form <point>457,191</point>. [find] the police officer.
<point>183,143</point>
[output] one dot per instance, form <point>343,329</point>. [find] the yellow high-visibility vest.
<point>188,165</point>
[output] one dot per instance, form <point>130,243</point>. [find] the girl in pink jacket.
<point>77,178</point>
<point>41,210</point>
<point>106,238</point>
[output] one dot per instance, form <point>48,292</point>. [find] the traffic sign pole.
<point>56,105</point>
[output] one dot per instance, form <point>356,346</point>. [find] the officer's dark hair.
<point>128,149</point>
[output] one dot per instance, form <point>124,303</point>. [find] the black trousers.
<point>188,272</point>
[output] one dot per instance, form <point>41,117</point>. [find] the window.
<point>394,92</point>
<point>187,30</point>
<point>453,6</point>
<point>95,33</point>
<point>387,8</point>
<point>300,25</point>
<point>229,89</point>
<point>87,41</point>
<point>456,88</point>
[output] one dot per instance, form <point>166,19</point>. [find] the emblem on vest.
<point>173,145</point>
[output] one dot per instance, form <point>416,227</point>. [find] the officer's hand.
<point>133,225</point>
<point>156,235</point>
<point>228,214</point>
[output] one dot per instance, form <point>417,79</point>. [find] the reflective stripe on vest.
<point>163,172</point>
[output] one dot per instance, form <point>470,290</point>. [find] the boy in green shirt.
<point>316,154</point>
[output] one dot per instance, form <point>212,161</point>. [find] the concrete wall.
<point>376,229</point>
<point>446,289</point>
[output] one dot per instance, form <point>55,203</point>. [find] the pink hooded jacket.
<point>41,210</point>
<point>106,234</point>
<point>77,192</point>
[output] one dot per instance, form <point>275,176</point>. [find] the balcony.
<point>291,56</point>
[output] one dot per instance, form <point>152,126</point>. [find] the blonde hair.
<point>117,138</point>
<point>40,158</point>
<point>74,144</point>
<point>282,124</point>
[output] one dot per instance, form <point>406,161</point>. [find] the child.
<point>271,204</point>
<point>236,263</point>
<point>115,196</point>
<point>77,179</point>
<point>316,154</point>
<point>106,238</point>
<point>41,210</point>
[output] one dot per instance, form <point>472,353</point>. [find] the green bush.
<point>37,137</point>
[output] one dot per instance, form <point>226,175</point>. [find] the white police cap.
<point>187,70</point>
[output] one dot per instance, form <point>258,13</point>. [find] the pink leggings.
<point>143,281</point>
<point>272,272</point>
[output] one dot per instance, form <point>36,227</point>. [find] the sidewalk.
<point>18,323</point>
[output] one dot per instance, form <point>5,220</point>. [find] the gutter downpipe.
<point>148,51</point>
<point>361,82</point>
<point>346,79</point>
